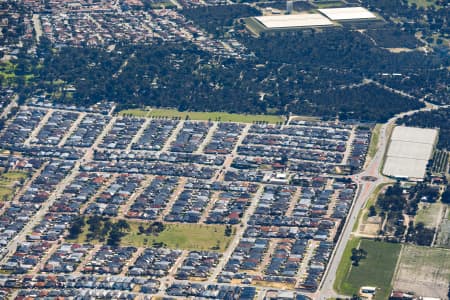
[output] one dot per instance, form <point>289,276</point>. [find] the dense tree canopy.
<point>336,48</point>
<point>214,18</point>
<point>432,119</point>
<point>181,76</point>
<point>333,72</point>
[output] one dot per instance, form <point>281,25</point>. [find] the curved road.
<point>364,190</point>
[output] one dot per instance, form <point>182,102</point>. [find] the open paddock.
<point>424,271</point>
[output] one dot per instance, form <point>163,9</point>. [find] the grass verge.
<point>373,146</point>
<point>389,131</point>
<point>135,112</point>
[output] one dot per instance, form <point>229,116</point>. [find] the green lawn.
<point>375,270</point>
<point>419,257</point>
<point>428,214</point>
<point>6,193</point>
<point>135,112</point>
<point>7,75</point>
<point>175,236</point>
<point>7,184</point>
<point>205,116</point>
<point>15,175</point>
<point>182,236</point>
<point>345,264</point>
<point>8,72</point>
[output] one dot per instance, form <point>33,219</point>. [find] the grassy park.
<point>377,269</point>
<point>5,193</point>
<point>7,72</point>
<point>8,182</point>
<point>135,112</point>
<point>181,236</point>
<point>205,116</point>
<point>174,236</point>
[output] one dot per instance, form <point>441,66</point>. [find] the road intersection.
<point>363,193</point>
<point>367,182</point>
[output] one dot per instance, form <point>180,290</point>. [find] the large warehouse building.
<point>409,151</point>
<point>292,21</point>
<point>312,19</point>
<point>348,13</point>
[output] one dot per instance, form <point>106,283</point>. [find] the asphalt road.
<point>364,190</point>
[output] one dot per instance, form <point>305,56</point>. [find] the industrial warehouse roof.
<point>409,151</point>
<point>300,20</point>
<point>405,168</point>
<point>413,134</point>
<point>347,13</point>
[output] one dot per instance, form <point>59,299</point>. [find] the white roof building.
<point>292,21</point>
<point>347,13</point>
<point>409,151</point>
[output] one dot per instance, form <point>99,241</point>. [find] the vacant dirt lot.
<point>424,270</point>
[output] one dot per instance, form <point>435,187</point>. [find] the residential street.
<point>365,189</point>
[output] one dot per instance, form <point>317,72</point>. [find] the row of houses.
<point>287,235</point>
<point>106,24</point>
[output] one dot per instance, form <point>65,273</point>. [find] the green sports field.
<point>377,269</point>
